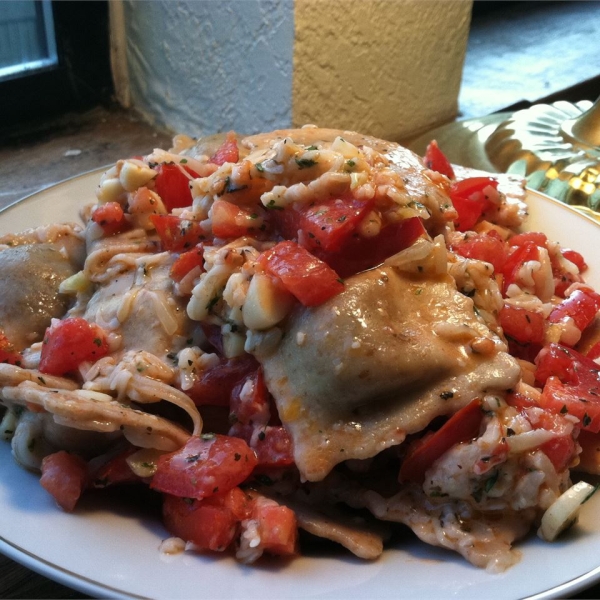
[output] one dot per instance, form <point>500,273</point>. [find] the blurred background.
<point>84,83</point>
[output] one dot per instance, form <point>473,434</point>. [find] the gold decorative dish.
<point>556,147</point>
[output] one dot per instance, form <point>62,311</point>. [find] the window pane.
<point>27,42</point>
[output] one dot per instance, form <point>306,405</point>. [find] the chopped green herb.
<point>305,163</point>
<point>272,206</point>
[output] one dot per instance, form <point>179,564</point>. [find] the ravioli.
<point>30,276</point>
<point>379,361</point>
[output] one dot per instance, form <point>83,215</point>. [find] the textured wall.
<point>391,68</point>
<point>388,68</point>
<point>204,66</point>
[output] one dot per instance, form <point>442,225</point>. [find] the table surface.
<point>77,145</point>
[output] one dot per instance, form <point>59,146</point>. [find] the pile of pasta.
<point>306,329</point>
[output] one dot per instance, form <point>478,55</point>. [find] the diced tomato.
<point>560,451</point>
<point>273,447</point>
<point>70,342</point>
<point>489,247</point>
<point>309,279</point>
<point>116,471</point>
<point>253,405</point>
<point>581,401</point>
<point>519,400</point>
<point>582,306</point>
<point>533,237</point>
<point>360,253</point>
<point>276,527</point>
<point>173,185</point>
<point>437,161</point>
<point>563,362</point>
<point>328,224</point>
<point>8,354</point>
<point>207,524</point>
<point>236,500</point>
<point>594,351</point>
<point>228,152</point>
<point>525,326</point>
<point>571,384</point>
<point>563,279</point>
<point>110,217</point>
<point>272,444</point>
<point>516,259</point>
<point>574,257</point>
<point>205,466</point>
<point>470,200</point>
<point>462,426</point>
<point>64,476</point>
<point>177,235</point>
<point>232,221</point>
<point>186,262</point>
<point>215,385</point>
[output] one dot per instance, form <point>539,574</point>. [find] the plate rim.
<point>87,585</point>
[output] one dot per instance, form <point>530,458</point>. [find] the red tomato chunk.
<point>571,384</point>
<point>462,426</point>
<point>516,259</point>
<point>116,471</point>
<point>436,160</point>
<point>232,221</point>
<point>582,306</point>
<point>574,257</point>
<point>214,386</point>
<point>470,199</point>
<point>173,185</point>
<point>524,326</point>
<point>110,217</point>
<point>64,476</point>
<point>277,527</point>
<point>177,235</point>
<point>228,152</point>
<point>489,247</point>
<point>360,253</point>
<point>187,262</point>
<point>206,465</point>
<point>211,524</point>
<point>69,343</point>
<point>309,279</point>
<point>328,224</point>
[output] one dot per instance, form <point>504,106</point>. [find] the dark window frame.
<point>81,80</point>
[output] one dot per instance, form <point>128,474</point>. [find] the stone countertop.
<point>69,146</point>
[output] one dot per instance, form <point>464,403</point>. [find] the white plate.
<point>114,553</point>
